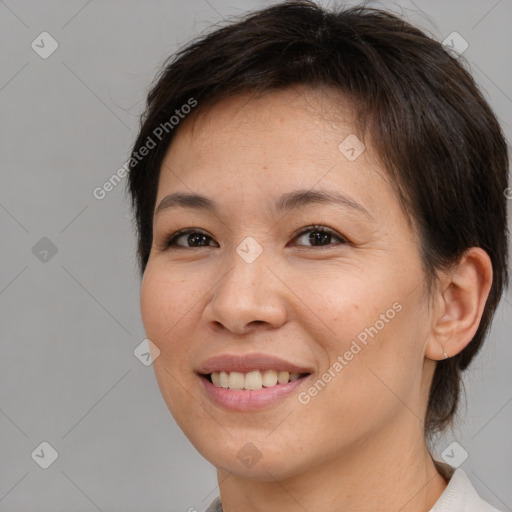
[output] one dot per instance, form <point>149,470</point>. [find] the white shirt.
<point>459,495</point>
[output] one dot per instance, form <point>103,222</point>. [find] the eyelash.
<point>170,241</point>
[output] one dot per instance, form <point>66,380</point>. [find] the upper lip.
<point>248,362</point>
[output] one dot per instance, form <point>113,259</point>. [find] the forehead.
<point>298,135</point>
<point>278,112</point>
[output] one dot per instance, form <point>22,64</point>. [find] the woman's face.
<point>343,302</point>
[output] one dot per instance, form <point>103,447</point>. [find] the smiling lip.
<point>249,400</point>
<point>247,363</point>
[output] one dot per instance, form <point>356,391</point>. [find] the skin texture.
<point>359,443</point>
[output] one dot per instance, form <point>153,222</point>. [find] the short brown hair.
<point>436,135</point>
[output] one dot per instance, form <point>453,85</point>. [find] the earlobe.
<point>462,298</point>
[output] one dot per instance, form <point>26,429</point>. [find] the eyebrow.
<point>288,201</point>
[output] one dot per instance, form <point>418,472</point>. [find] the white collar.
<point>459,495</point>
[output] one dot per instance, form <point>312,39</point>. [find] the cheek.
<point>166,304</point>
<point>165,301</point>
<point>387,372</point>
<point>153,303</point>
<point>376,335</point>
<point>355,305</point>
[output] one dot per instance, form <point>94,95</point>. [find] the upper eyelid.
<point>317,227</point>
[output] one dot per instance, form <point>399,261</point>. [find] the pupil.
<point>318,236</point>
<point>197,237</point>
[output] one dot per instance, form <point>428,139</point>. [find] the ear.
<point>461,300</point>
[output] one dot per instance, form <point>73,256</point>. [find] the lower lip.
<point>249,400</point>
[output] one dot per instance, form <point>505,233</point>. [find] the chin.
<point>250,458</point>
<point>267,469</point>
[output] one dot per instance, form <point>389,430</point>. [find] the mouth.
<point>250,381</point>
<point>253,380</point>
<point>251,391</point>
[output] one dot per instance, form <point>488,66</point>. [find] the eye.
<point>195,237</point>
<point>320,236</point>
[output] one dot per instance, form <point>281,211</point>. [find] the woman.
<point>319,198</point>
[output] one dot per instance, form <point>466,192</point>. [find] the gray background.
<point>70,324</point>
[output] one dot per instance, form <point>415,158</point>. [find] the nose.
<point>248,295</point>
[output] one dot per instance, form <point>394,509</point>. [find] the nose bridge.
<point>248,272</point>
<point>248,291</point>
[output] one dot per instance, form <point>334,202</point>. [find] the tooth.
<point>253,380</point>
<point>215,378</point>
<point>223,380</point>
<point>236,380</point>
<point>269,378</point>
<point>282,377</point>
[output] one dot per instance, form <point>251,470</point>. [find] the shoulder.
<point>459,495</point>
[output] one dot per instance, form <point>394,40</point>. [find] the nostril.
<point>257,322</point>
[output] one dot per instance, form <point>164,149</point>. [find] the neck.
<point>387,472</point>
